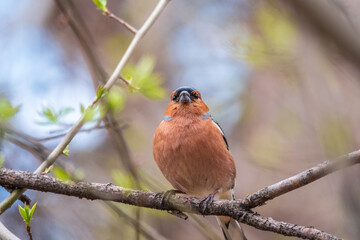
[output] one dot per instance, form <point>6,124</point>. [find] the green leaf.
<point>23,214</point>
<point>90,113</point>
<point>101,4</point>
<point>27,213</point>
<point>100,92</point>
<point>143,79</point>
<point>115,101</point>
<point>82,108</point>
<point>66,151</point>
<point>7,111</point>
<point>2,160</point>
<point>52,116</point>
<point>31,212</point>
<point>60,173</point>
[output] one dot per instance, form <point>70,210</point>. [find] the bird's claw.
<point>204,202</point>
<point>166,195</point>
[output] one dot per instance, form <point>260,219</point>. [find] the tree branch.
<point>110,192</point>
<point>77,126</point>
<point>308,176</point>
<point>5,233</point>
<point>122,22</point>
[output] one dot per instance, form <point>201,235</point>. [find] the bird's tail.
<point>225,223</point>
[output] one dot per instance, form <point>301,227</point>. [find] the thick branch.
<point>110,192</point>
<point>301,179</point>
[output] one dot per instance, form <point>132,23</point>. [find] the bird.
<point>192,152</point>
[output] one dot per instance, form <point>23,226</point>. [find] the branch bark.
<point>110,192</point>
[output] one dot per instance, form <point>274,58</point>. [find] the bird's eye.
<point>174,97</point>
<point>196,96</point>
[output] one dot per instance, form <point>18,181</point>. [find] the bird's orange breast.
<point>192,155</point>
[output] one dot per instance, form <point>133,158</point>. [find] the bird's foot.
<point>204,202</point>
<point>165,195</point>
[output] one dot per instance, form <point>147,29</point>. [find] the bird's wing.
<point>221,131</point>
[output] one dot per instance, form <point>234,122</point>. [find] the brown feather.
<point>191,153</point>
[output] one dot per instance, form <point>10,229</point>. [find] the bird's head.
<point>186,101</point>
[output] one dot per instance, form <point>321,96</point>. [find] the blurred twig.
<point>109,192</point>
<point>83,35</point>
<point>327,19</point>
<point>145,229</point>
<point>5,234</point>
<point>5,204</point>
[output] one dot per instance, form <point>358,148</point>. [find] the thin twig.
<point>28,229</point>
<point>144,229</point>
<point>110,192</point>
<point>122,22</point>
<point>327,19</point>
<point>138,36</point>
<point>260,197</point>
<point>5,204</point>
<point>63,134</point>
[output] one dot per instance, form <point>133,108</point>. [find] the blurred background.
<point>284,90</point>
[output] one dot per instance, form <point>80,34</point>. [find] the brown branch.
<point>260,197</point>
<point>122,22</point>
<point>110,192</point>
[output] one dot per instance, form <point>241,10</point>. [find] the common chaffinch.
<point>192,152</point>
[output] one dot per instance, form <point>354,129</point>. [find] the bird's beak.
<point>184,97</point>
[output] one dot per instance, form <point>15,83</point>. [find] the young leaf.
<point>66,151</point>
<point>100,92</point>
<point>90,113</point>
<point>31,212</point>
<point>101,4</point>
<point>61,174</point>
<point>27,213</point>
<point>115,101</point>
<point>7,111</point>
<point>143,79</point>
<point>52,116</point>
<point>22,211</point>
<point>2,160</point>
<point>82,108</point>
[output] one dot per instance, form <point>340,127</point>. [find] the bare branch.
<point>301,179</point>
<point>110,192</point>
<point>122,22</point>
